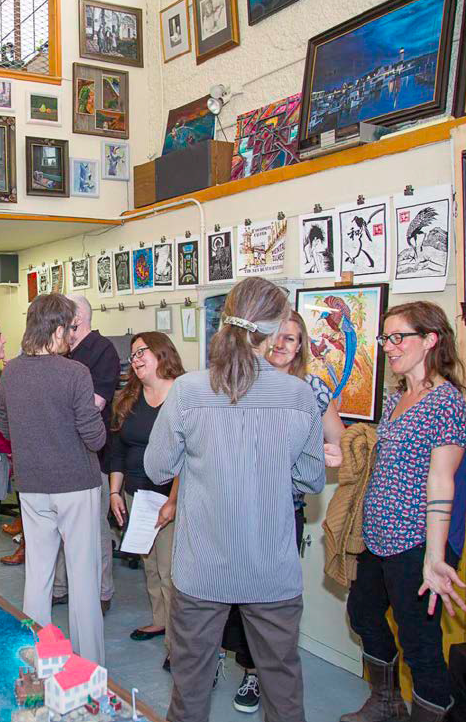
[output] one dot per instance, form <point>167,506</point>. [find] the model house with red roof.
<point>51,651</point>
<point>70,688</point>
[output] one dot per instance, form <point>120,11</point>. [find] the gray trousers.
<point>60,584</point>
<point>74,517</point>
<point>272,631</point>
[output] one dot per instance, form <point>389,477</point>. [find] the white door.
<point>325,629</point>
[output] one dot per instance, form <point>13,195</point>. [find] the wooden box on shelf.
<point>144,184</point>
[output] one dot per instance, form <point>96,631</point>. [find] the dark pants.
<point>394,581</point>
<point>234,637</point>
<point>272,630</point>
<point>457,668</point>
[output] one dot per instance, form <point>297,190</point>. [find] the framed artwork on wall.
<point>80,274</point>
<point>8,189</point>
<point>459,97</point>
<point>266,138</point>
<point>360,70</point>
<point>104,276</point>
<point>260,9</point>
<point>115,161</point>
<point>43,108</point>
<point>110,33</point>
<point>57,278</point>
<point>164,269</point>
<point>343,324</point>
<point>188,263</point>
<point>47,167</point>
<point>84,177</point>
<point>164,319</point>
<point>220,256</point>
<point>123,276</point>
<point>189,323</point>
<point>143,270</point>
<point>216,27</point>
<point>100,101</point>
<point>174,30</point>
<point>188,124</point>
<point>6,96</point>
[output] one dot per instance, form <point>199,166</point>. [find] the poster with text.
<point>261,248</point>
<point>423,230</point>
<point>364,239</point>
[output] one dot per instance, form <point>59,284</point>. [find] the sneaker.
<point>248,694</point>
<point>220,668</point>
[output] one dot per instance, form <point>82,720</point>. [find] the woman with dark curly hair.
<point>410,518</point>
<point>155,364</point>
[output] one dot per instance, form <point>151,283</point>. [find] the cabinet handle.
<point>306,542</point>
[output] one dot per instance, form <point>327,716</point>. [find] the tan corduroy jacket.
<point>343,523</point>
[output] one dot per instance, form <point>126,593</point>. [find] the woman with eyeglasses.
<point>413,521</point>
<point>154,365</point>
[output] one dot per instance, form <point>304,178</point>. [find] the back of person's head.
<point>45,314</point>
<point>298,366</point>
<point>425,317</point>
<point>254,310</point>
<point>83,308</point>
<point>169,366</point>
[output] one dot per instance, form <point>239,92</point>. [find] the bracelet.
<point>114,492</point>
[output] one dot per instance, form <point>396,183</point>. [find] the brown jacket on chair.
<point>343,524</point>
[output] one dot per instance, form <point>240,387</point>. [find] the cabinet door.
<point>325,629</point>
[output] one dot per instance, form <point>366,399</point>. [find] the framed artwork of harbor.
<point>459,97</point>
<point>388,65</point>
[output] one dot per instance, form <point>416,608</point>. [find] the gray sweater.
<point>47,410</point>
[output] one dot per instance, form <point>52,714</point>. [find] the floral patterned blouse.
<point>396,499</point>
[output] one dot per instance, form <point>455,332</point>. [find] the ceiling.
<point>17,234</point>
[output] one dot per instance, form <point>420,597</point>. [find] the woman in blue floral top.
<point>411,555</point>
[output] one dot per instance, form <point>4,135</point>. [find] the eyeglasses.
<point>137,354</point>
<point>396,338</point>
<point>74,326</point>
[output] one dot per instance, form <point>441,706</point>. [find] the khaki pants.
<point>60,584</point>
<point>157,566</point>
<point>272,631</point>
<point>74,517</point>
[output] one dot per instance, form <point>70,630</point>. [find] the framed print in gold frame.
<point>174,30</point>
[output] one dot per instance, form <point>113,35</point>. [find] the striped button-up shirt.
<point>235,535</point>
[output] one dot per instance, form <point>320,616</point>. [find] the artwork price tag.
<point>327,139</point>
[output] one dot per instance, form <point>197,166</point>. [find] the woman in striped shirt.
<point>240,436</point>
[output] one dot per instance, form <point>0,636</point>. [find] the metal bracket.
<point>187,234</point>
<point>187,301</point>
<point>280,216</point>
<point>361,200</point>
<point>409,190</point>
<point>217,228</point>
<point>317,208</point>
<point>142,305</point>
<point>121,306</point>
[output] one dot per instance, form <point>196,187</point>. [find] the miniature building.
<point>51,651</point>
<point>28,686</point>
<point>72,687</point>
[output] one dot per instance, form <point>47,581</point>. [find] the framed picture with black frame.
<point>8,190</point>
<point>47,167</point>
<point>216,27</point>
<point>386,66</point>
<point>261,9</point>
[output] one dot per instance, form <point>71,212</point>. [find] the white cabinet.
<point>325,629</point>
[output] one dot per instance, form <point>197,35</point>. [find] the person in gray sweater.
<point>48,412</point>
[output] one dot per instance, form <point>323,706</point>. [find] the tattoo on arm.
<point>440,501</point>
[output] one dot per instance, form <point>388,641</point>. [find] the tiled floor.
<point>329,691</point>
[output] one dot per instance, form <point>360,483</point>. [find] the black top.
<point>99,355</point>
<point>129,445</point>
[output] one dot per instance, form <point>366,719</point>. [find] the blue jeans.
<point>394,581</point>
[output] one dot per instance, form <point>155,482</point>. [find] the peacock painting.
<point>342,325</point>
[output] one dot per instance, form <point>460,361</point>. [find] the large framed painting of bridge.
<point>343,324</point>
<point>388,65</point>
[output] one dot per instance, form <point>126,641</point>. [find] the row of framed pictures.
<point>49,168</point>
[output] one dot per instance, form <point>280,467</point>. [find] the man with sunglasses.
<point>99,355</point>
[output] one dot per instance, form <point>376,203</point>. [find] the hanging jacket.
<point>343,539</point>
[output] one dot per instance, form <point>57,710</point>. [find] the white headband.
<point>265,327</point>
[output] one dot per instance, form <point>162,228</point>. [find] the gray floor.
<point>329,691</point>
